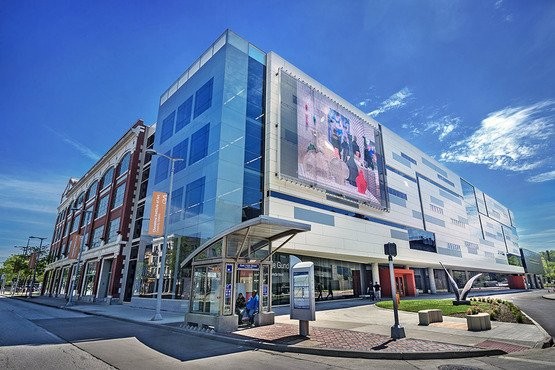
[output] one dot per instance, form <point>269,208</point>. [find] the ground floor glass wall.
<point>177,280</point>
<point>335,279</point>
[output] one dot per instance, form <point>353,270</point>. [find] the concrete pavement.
<point>348,328</point>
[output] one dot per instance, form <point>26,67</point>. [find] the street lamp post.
<point>81,247</point>
<point>37,253</point>
<point>158,315</point>
<point>397,331</point>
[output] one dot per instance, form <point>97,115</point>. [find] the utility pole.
<point>35,257</point>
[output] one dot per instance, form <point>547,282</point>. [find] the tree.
<point>14,265</point>
<point>548,259</point>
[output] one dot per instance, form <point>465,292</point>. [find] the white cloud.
<point>443,126</point>
<point>545,176</point>
<point>40,195</point>
<point>81,148</point>
<point>512,139</point>
<point>396,100</point>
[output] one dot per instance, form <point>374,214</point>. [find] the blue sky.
<point>472,83</point>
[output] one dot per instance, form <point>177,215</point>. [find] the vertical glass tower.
<point>212,118</point>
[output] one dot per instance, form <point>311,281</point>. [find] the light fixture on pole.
<point>158,315</point>
<point>397,331</point>
<point>35,256</point>
<point>81,247</point>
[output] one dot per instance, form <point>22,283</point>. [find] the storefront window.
<point>177,280</point>
<point>335,277</point>
<point>64,281</point>
<point>89,278</point>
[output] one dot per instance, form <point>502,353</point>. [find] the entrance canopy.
<point>250,240</point>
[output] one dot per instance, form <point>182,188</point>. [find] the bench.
<point>426,317</point>
<point>478,322</point>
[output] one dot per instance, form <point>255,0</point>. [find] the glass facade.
<point>341,278</point>
<point>218,130</point>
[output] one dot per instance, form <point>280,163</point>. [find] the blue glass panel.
<point>162,168</point>
<point>194,197</point>
<point>184,114</point>
<point>203,98</point>
<point>199,144</point>
<point>180,151</point>
<point>177,205</point>
<point>397,193</point>
<point>167,127</point>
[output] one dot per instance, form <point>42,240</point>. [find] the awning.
<point>264,227</point>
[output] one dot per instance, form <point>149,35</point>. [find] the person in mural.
<point>366,153</point>
<point>353,171</point>
<point>354,146</point>
<point>252,306</point>
<point>345,149</point>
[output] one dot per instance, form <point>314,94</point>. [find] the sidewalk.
<point>347,328</point>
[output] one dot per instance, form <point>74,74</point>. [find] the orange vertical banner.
<point>157,214</point>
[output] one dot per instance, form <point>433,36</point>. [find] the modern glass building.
<point>257,136</point>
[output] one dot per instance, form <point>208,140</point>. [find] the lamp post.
<point>36,253</point>
<point>81,247</point>
<point>397,331</point>
<point>158,315</point>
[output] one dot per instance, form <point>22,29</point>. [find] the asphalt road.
<point>39,337</point>
<point>540,309</point>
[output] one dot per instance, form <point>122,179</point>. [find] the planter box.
<point>478,322</point>
<point>426,317</point>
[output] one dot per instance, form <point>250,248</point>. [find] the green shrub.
<point>519,318</point>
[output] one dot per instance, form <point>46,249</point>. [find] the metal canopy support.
<point>240,249</point>
<point>272,251</point>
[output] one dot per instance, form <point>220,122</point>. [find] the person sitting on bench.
<point>252,306</point>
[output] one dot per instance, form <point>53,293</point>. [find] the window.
<point>203,98</point>
<point>180,151</point>
<point>162,168</point>
<point>75,223</point>
<point>80,199</point>
<point>184,114</point>
<point>88,281</point>
<point>397,193</point>
<point>97,236</point>
<point>177,205</point>
<point>113,229</point>
<point>88,215</point>
<point>199,144</point>
<point>124,164</point>
<point>167,127</point>
<point>107,178</point>
<point>91,193</point>
<point>118,197</point>
<point>102,207</point>
<point>194,197</point>
<point>422,240</point>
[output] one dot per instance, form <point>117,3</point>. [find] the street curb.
<point>473,352</point>
<point>304,350</point>
<point>547,340</point>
